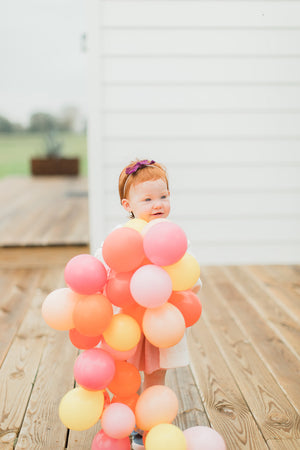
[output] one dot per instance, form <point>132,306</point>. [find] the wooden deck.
<point>244,377</point>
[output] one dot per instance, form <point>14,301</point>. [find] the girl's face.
<point>148,200</point>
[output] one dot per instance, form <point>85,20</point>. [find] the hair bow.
<point>138,165</point>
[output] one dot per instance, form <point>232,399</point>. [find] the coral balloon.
<point>164,326</point>
<point>85,274</point>
<point>157,404</point>
<point>94,369</point>
<point>81,341</point>
<point>165,243</point>
<point>130,401</point>
<point>123,333</point>
<point>185,273</point>
<point>92,315</point>
<point>120,356</point>
<point>103,442</point>
<point>107,401</point>
<point>117,289</point>
<point>165,436</point>
<point>80,409</point>
<point>118,420</point>
<point>188,304</point>
<point>58,307</point>
<point>151,286</point>
<point>203,438</point>
<point>136,311</point>
<point>136,224</point>
<point>126,381</point>
<point>123,249</point>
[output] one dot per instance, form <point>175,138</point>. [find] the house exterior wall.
<point>212,90</point>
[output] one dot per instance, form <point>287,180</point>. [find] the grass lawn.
<point>17,149</point>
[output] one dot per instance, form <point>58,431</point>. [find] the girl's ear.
<point>125,204</point>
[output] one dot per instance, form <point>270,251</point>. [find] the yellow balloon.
<point>185,273</point>
<point>80,409</point>
<point>123,332</point>
<point>165,436</point>
<point>136,224</point>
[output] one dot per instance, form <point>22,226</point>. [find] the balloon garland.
<point>148,274</point>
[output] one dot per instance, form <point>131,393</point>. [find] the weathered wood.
<point>287,327</point>
<point>287,444</point>
<point>44,211</point>
<point>227,311</point>
<point>226,407</point>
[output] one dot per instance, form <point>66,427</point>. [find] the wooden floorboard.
<point>244,376</point>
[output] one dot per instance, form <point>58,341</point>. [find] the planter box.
<point>54,166</point>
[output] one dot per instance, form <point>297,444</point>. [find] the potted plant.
<point>53,163</point>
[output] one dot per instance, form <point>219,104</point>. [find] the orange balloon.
<point>92,315</point>
<point>136,311</point>
<point>164,326</point>
<point>157,404</point>
<point>188,304</point>
<point>117,289</point>
<point>126,381</point>
<point>129,401</point>
<point>123,333</point>
<point>123,249</point>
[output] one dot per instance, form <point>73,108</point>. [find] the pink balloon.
<point>58,307</point>
<point>94,369</point>
<point>118,420</point>
<point>165,243</point>
<point>103,442</point>
<point>203,438</point>
<point>151,286</point>
<point>116,354</point>
<point>85,274</point>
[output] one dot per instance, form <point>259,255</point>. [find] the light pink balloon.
<point>103,442</point>
<point>116,354</point>
<point>151,286</point>
<point>57,308</point>
<point>118,420</point>
<point>203,438</point>
<point>94,369</point>
<point>165,243</point>
<point>164,326</point>
<point>85,274</point>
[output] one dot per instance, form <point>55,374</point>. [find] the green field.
<point>16,150</point>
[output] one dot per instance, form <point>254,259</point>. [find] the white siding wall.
<point>212,90</point>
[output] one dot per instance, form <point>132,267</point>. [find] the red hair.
<point>154,171</point>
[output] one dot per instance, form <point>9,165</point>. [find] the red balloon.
<point>188,304</point>
<point>81,341</point>
<point>117,289</point>
<point>126,381</point>
<point>103,442</point>
<point>129,401</point>
<point>123,250</point>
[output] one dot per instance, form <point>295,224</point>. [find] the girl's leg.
<point>156,377</point>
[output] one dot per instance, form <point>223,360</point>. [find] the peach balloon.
<point>58,307</point>
<point>123,249</point>
<point>164,326</point>
<point>123,333</point>
<point>92,315</point>
<point>118,420</point>
<point>157,404</point>
<point>185,273</point>
<point>203,438</point>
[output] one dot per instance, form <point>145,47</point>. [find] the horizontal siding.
<point>212,90</point>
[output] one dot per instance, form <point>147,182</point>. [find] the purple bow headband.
<point>138,165</point>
